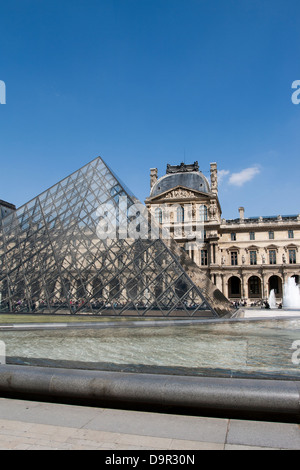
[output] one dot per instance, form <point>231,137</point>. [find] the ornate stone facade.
<point>6,208</point>
<point>244,257</point>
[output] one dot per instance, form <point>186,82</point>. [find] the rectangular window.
<point>292,256</point>
<point>234,258</point>
<point>204,259</point>
<point>252,235</point>
<point>271,235</point>
<point>180,214</point>
<point>291,233</point>
<point>272,257</point>
<point>233,236</point>
<point>253,257</point>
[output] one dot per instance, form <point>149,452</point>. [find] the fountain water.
<point>290,306</point>
<point>291,294</point>
<point>272,299</point>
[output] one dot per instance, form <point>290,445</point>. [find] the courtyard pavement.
<point>32,425</point>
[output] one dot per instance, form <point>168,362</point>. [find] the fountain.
<point>289,307</point>
<point>272,299</point>
<point>291,294</point>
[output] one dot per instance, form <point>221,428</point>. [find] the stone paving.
<point>28,425</point>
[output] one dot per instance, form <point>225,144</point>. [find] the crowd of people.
<point>259,304</point>
<point>38,306</point>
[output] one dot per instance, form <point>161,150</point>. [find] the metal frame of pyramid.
<point>53,261</point>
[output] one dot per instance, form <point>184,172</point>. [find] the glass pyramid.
<point>62,253</point>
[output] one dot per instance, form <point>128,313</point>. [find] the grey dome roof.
<point>191,180</point>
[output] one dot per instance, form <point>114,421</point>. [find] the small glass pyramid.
<point>79,247</point>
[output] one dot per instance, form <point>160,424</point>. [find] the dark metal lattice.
<point>52,260</point>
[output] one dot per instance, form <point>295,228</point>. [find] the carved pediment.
<point>180,193</point>
<point>252,248</point>
<point>233,248</point>
<point>291,246</point>
<point>271,247</point>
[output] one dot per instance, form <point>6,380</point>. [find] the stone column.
<point>243,287</point>
<point>265,286</point>
<point>263,291</point>
<point>226,289</point>
<point>219,283</point>
<point>223,284</point>
<point>89,289</point>
<point>105,293</point>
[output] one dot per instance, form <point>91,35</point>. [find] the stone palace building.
<point>245,257</point>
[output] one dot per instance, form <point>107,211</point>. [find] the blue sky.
<point>144,83</point>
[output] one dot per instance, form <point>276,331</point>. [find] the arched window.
<point>254,286</point>
<point>158,215</point>
<point>180,214</point>
<point>203,214</point>
<point>234,287</point>
<point>275,283</point>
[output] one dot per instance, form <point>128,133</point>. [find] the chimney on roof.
<point>214,178</point>
<point>153,177</point>
<point>242,213</point>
